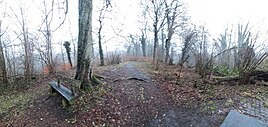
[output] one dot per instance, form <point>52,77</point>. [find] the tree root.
<point>255,77</point>
<point>101,76</point>
<point>96,81</point>
<point>131,78</point>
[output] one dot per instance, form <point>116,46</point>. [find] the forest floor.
<point>136,94</point>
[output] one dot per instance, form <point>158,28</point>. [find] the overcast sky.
<point>214,14</point>
<point>217,14</point>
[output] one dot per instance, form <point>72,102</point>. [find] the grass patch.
<point>7,103</point>
<point>209,107</point>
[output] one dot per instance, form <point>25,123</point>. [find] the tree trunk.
<point>100,43</point>
<point>67,44</point>
<point>48,35</point>
<point>143,46</point>
<point>26,45</point>
<point>2,60</point>
<point>155,42</point>
<point>101,51</point>
<point>167,46</point>
<point>69,59</point>
<point>63,59</point>
<point>26,57</point>
<point>74,52</point>
<point>171,56</point>
<point>162,53</point>
<point>85,48</point>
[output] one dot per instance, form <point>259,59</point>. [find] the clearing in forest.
<point>138,94</point>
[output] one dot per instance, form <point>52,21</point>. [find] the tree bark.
<point>68,52</point>
<point>2,60</point>
<point>143,45</point>
<point>47,56</point>
<point>162,53</point>
<point>167,46</point>
<point>26,45</point>
<point>158,23</point>
<point>155,41</point>
<point>100,48</point>
<point>171,56</point>
<point>85,48</point>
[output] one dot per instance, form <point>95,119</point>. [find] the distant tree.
<point>161,48</point>
<point>223,39</point>
<point>46,50</point>
<point>175,17</point>
<point>136,45</point>
<point>144,27</point>
<point>188,38</point>
<point>248,52</point>
<point>171,56</point>
<point>199,49</point>
<point>68,51</point>
<point>187,44</point>
<point>243,36</point>
<point>102,15</point>
<point>63,57</point>
<point>25,39</point>
<point>143,43</point>
<point>157,13</point>
<point>247,60</point>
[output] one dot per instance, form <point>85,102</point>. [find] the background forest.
<point>181,49</point>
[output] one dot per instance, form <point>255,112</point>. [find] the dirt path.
<point>146,103</point>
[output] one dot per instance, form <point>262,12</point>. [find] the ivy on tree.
<point>68,51</point>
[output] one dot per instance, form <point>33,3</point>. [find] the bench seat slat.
<point>65,92</point>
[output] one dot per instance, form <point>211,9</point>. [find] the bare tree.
<point>85,44</point>
<point>187,44</point>
<point>68,51</point>
<point>156,13</point>
<point>223,39</point>
<point>248,52</point>
<point>175,17</point>
<point>243,37</point>
<point>47,33</point>
<point>143,42</point>
<point>63,55</point>
<point>136,45</point>
<point>101,17</point>
<point>225,47</point>
<point>3,70</point>
<point>161,49</point>
<point>47,30</point>
<point>248,59</point>
<point>9,56</point>
<point>200,50</point>
<point>144,28</point>
<point>24,37</point>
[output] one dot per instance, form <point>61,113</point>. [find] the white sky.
<point>217,14</point>
<point>214,14</point>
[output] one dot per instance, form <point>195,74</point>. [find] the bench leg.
<point>53,92</point>
<point>64,103</point>
<point>74,91</point>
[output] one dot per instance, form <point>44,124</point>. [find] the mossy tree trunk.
<point>85,44</point>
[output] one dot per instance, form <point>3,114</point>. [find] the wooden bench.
<point>68,94</point>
